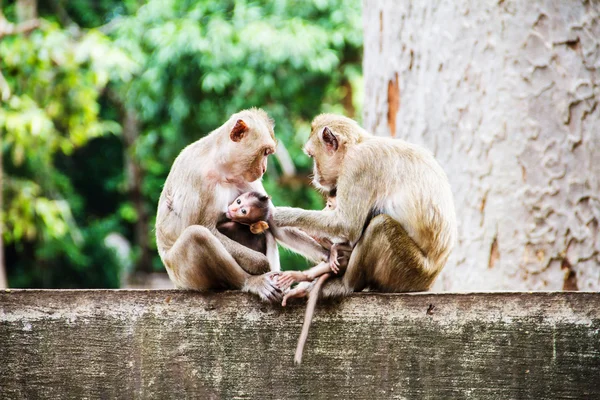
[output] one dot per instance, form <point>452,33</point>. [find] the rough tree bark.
<point>506,96</point>
<point>134,178</point>
<point>131,132</point>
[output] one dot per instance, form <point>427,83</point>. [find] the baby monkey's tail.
<point>308,316</point>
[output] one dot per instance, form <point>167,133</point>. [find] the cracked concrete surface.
<point>175,344</point>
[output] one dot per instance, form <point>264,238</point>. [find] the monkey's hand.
<point>259,227</point>
<point>287,278</point>
<point>333,262</point>
<point>339,254</point>
<point>302,290</point>
<point>265,286</point>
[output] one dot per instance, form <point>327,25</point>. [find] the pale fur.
<point>414,190</point>
<point>204,179</point>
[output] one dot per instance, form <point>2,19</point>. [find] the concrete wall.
<point>174,344</point>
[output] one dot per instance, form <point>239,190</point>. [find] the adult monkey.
<point>204,179</point>
<point>394,204</point>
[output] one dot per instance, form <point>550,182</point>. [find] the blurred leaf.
<point>183,66</point>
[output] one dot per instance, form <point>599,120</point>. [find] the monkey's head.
<point>330,138</point>
<point>331,204</point>
<point>250,141</point>
<point>249,208</point>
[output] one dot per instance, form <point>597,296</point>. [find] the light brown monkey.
<point>204,179</point>
<point>394,205</point>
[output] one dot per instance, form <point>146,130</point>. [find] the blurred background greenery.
<point>98,98</point>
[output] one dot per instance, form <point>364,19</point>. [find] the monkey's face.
<point>246,210</point>
<point>327,151</point>
<point>331,204</point>
<point>253,141</point>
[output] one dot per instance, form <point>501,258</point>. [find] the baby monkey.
<point>246,219</point>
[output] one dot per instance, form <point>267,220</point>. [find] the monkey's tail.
<point>308,316</point>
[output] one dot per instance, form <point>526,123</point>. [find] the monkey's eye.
<point>244,211</point>
<point>239,201</point>
<point>268,152</point>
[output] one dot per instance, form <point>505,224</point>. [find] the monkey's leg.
<point>287,278</point>
<point>316,271</point>
<point>199,261</point>
<point>361,262</point>
<point>387,259</point>
<point>401,265</point>
<point>302,290</point>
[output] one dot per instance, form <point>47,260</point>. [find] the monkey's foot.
<point>259,227</point>
<point>302,290</point>
<point>334,264</point>
<point>287,278</point>
<point>265,286</point>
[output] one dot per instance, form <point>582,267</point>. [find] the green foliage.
<point>51,107</point>
<point>183,67</point>
<point>201,62</point>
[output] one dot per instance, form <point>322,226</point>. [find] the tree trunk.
<point>131,131</point>
<point>506,96</point>
<point>3,279</point>
<point>26,11</point>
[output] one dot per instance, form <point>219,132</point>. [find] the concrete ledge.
<point>164,344</point>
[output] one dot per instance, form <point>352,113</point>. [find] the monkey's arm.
<point>336,225</point>
<point>355,201</point>
<point>252,261</point>
<point>300,242</point>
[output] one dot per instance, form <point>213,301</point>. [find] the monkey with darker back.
<point>394,207</point>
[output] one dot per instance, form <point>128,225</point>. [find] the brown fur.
<point>247,228</point>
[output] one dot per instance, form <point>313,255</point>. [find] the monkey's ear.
<point>238,131</point>
<point>264,198</point>
<point>330,140</point>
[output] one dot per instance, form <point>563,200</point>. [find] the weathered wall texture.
<point>506,95</point>
<point>176,345</point>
